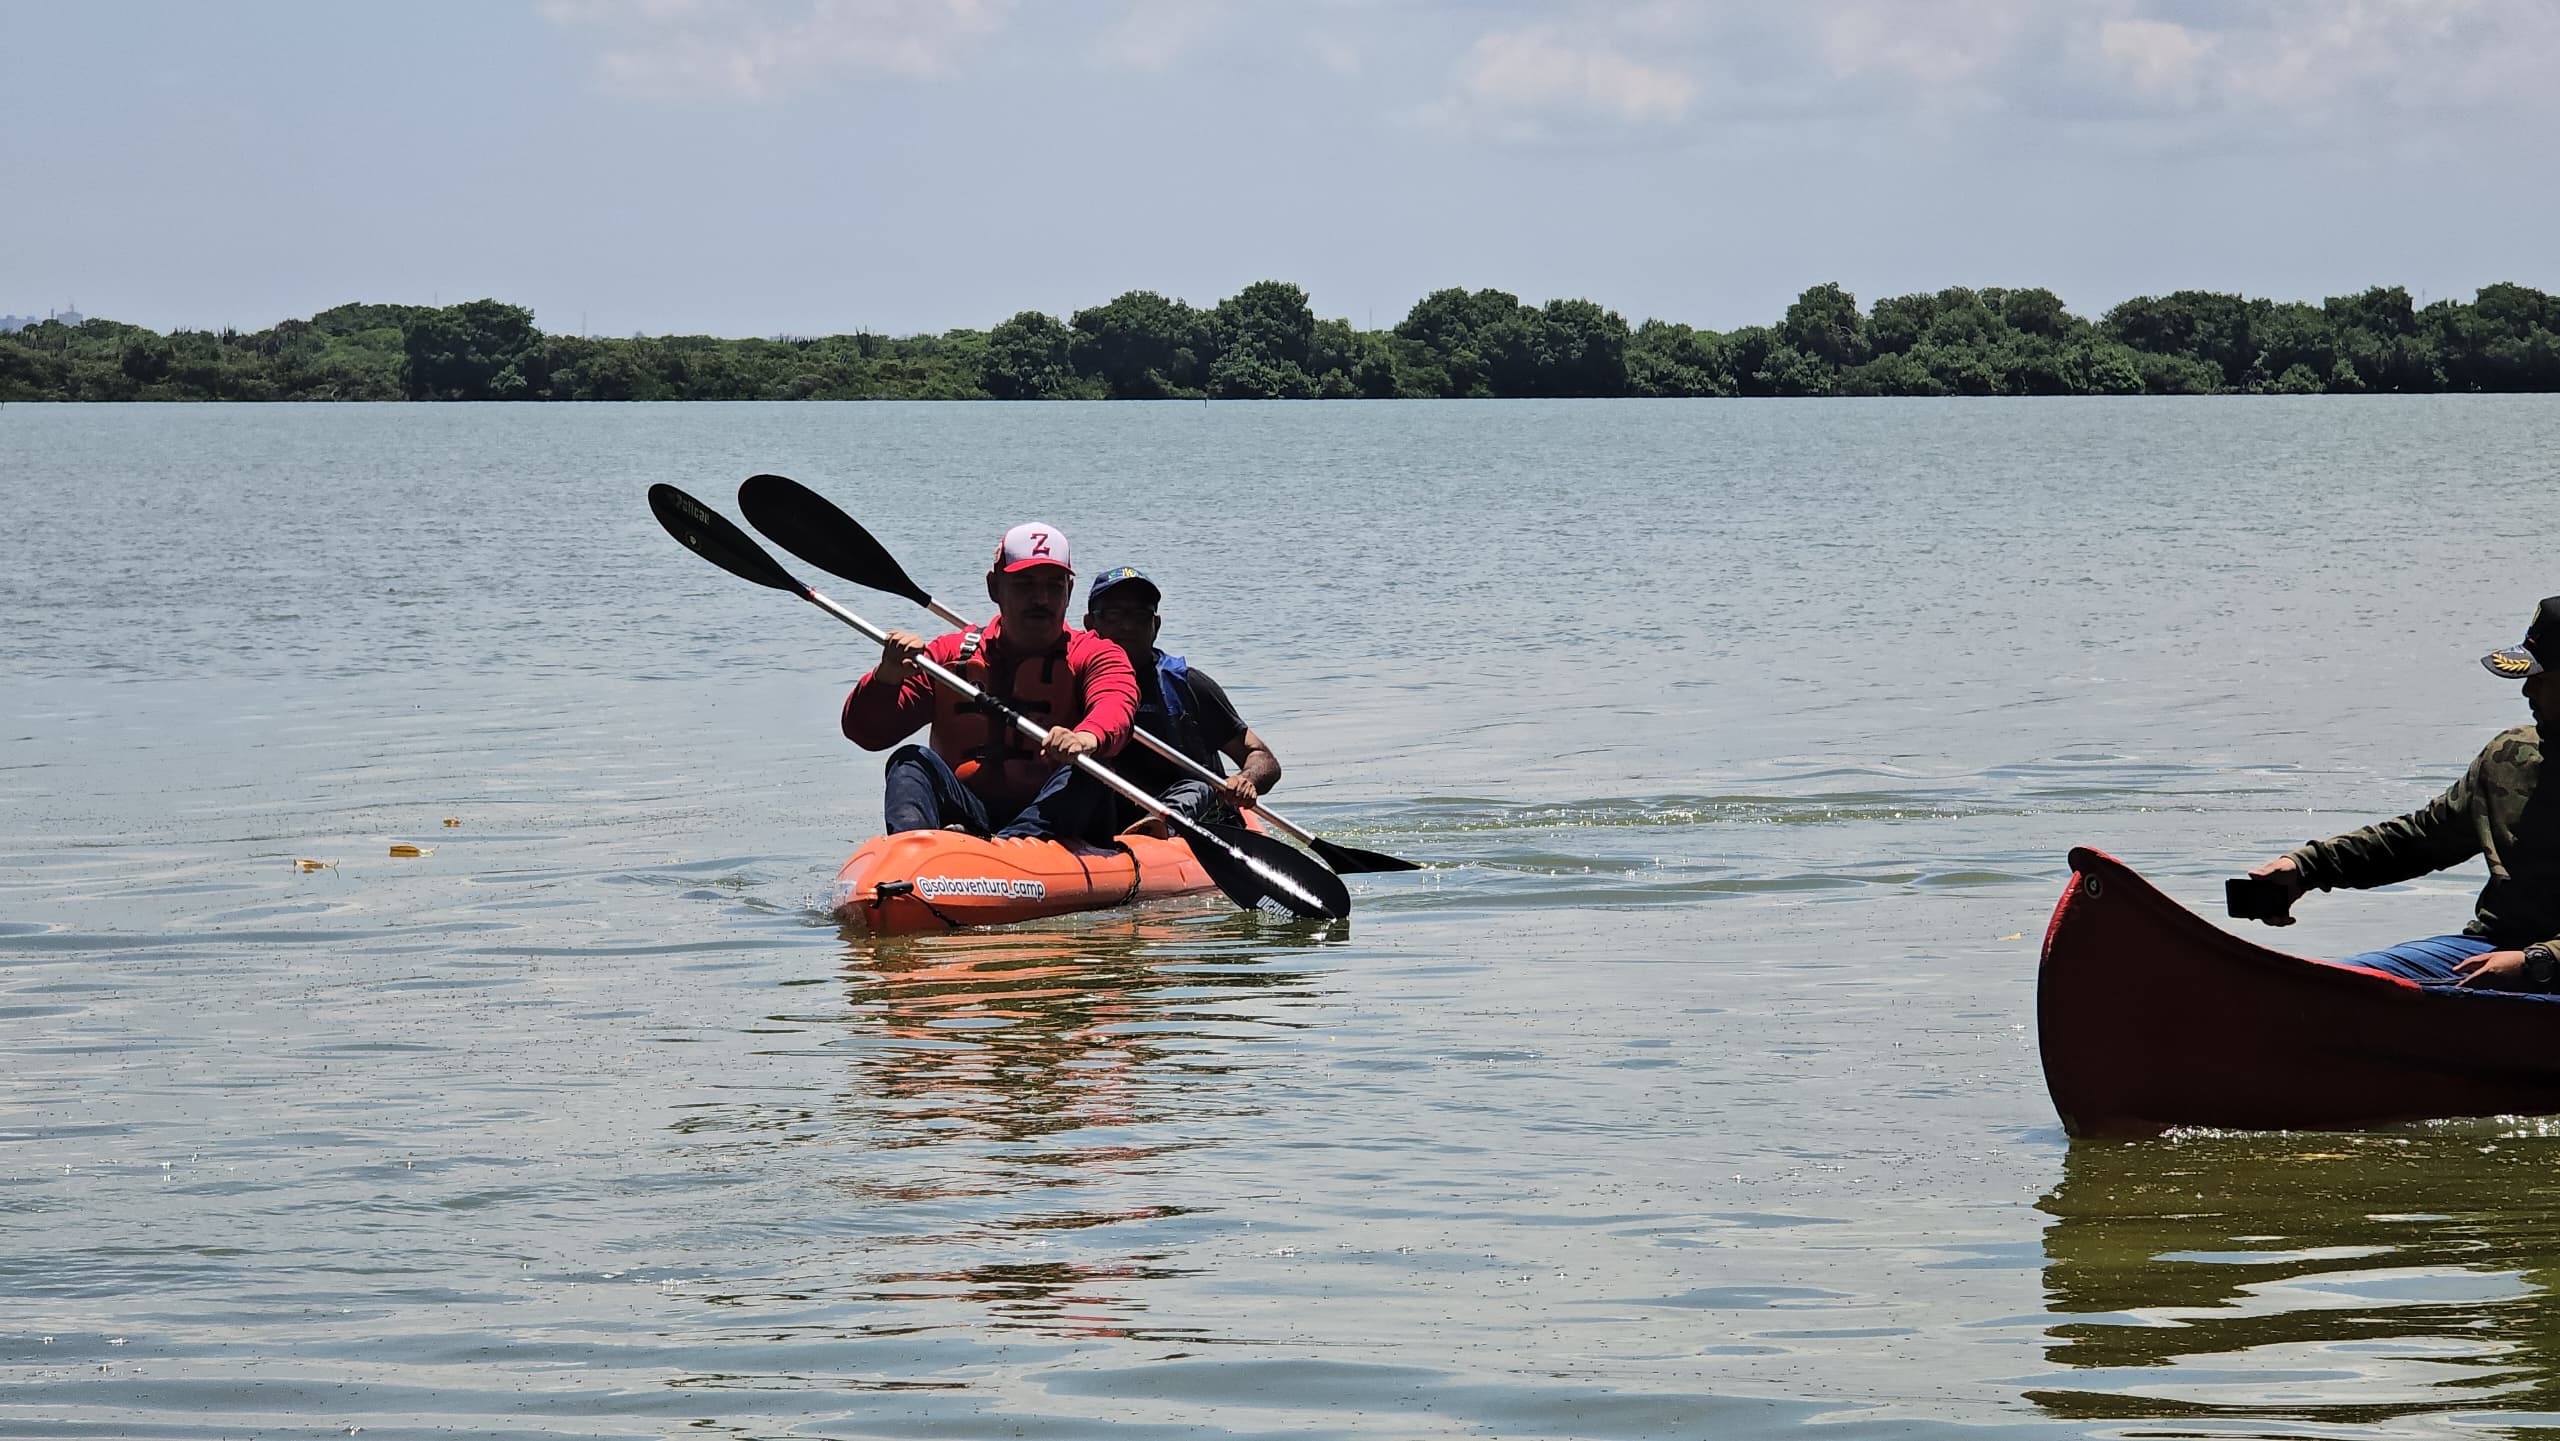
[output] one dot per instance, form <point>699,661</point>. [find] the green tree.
<point>462,351</point>
<point>1892,373</point>
<point>1576,348</point>
<point>1900,322</point>
<point>1142,346</point>
<point>1029,358</point>
<point>146,359</point>
<point>2035,312</point>
<point>1244,374</point>
<point>2502,341</point>
<point>1824,324</point>
<point>2195,324</point>
<point>1265,339</point>
<point>1269,320</point>
<point>1348,363</point>
<point>2097,366</point>
<point>2294,337</point>
<point>1462,338</point>
<point>1665,358</point>
<point>2379,339</point>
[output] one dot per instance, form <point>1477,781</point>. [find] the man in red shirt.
<point>977,772</point>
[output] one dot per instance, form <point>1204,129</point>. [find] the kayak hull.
<point>944,880</point>
<point>2149,1017</point>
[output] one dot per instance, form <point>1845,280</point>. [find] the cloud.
<point>1153,34</point>
<point>2241,71</point>
<point>1940,45</point>
<point>2158,56</point>
<point>2340,62</point>
<point>1514,78</point>
<point>1336,54</point>
<point>758,50</point>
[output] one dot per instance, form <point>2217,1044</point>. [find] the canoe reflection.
<point>2331,1279</point>
<point>1026,1095</point>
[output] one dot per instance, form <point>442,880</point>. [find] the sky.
<point>761,167</point>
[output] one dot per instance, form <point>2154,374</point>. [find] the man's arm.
<point>1257,769</point>
<point>889,702</point>
<point>2438,834</point>
<point>1110,690</point>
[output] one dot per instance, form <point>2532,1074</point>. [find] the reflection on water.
<point>2343,1281</point>
<point>1017,1107</point>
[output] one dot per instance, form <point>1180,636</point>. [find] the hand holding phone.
<point>2258,898</point>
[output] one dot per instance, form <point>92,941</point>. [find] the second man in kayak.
<point>976,772</point>
<point>1179,704</point>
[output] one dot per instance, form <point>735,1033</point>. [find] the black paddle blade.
<point>1260,873</point>
<point>1352,861</point>
<point>718,540</point>
<point>812,527</point>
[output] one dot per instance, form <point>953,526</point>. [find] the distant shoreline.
<point>1265,343</point>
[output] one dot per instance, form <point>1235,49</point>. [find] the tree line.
<point>1265,342</point>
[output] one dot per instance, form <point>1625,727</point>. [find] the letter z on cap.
<point>1034,542</point>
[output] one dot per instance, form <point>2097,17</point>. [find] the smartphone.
<point>2256,898</point>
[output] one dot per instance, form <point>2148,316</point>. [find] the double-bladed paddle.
<point>814,528</point>
<point>1255,871</point>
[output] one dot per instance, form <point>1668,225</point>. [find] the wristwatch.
<point>2541,966</point>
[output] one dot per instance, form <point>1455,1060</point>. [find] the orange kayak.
<point>943,880</point>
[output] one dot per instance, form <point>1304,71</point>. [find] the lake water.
<point>1694,1091</point>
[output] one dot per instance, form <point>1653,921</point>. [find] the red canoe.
<point>2150,1017</point>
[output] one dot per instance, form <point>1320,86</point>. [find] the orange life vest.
<point>990,755</point>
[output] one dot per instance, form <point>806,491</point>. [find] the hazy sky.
<point>759,166</point>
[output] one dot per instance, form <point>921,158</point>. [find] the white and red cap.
<point>1034,542</point>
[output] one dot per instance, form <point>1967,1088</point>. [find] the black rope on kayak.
<point>1136,871</point>
<point>888,891</point>
<point>1087,867</point>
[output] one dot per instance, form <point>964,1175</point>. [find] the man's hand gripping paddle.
<point>810,526</point>
<point>1256,871</point>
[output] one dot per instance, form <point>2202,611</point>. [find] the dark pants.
<point>1194,798</point>
<point>2429,962</point>
<point>924,794</point>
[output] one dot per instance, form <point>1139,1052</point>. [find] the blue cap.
<point>1119,575</point>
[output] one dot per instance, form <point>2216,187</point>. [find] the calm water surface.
<point>1694,1092</point>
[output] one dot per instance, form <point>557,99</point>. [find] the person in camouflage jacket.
<point>2497,810</point>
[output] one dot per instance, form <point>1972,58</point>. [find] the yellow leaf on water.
<point>309,865</point>
<point>451,821</point>
<point>2015,936</point>
<point>405,849</point>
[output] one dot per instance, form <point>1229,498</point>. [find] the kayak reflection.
<point>1019,1103</point>
<point>2336,1280</point>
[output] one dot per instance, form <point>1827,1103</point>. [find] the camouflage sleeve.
<point>2438,834</point>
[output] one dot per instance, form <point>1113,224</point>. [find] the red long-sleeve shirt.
<point>877,717</point>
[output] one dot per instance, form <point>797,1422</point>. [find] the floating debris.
<point>452,822</point>
<point>404,849</point>
<point>312,865</point>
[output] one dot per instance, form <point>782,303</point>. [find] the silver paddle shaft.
<point>942,675</point>
<point>1166,749</point>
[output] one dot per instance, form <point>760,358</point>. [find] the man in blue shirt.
<point>1177,703</point>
